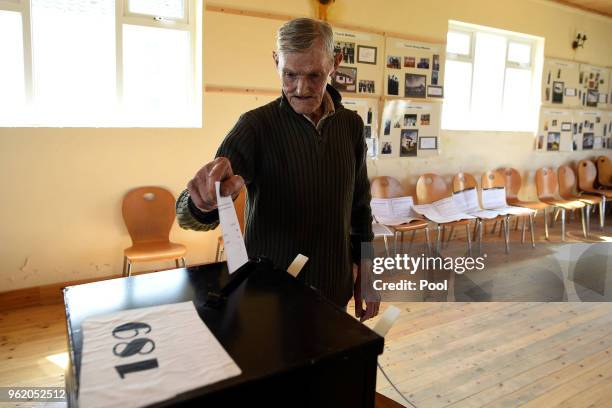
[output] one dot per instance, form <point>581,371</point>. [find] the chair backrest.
<point>604,170</point>
<point>463,181</point>
<point>546,182</point>
<point>148,213</point>
<point>492,179</point>
<point>430,188</point>
<point>386,187</point>
<point>586,175</point>
<point>567,182</point>
<point>512,180</point>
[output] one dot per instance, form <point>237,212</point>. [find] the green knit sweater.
<point>307,191</point>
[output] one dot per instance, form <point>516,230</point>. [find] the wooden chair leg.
<point>125,261</point>
<point>184,262</point>
<point>129,268</point>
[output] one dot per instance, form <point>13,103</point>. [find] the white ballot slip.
<point>138,357</point>
<point>495,199</point>
<point>233,243</point>
<point>394,211</point>
<point>467,202</point>
<point>441,211</point>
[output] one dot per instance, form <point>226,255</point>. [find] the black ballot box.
<point>294,347</point>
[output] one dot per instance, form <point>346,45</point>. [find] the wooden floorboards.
<point>438,354</point>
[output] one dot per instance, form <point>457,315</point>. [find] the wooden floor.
<point>438,354</point>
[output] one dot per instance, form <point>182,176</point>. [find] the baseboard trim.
<point>41,295</point>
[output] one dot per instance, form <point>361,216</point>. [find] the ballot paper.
<point>495,199</point>
<point>233,243</point>
<point>137,357</point>
<point>441,211</point>
<point>467,202</point>
<point>393,211</point>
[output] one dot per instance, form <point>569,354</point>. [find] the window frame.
<point>189,23</point>
<point>472,31</point>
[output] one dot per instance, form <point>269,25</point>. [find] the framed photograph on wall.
<point>435,91</point>
<point>366,55</point>
<point>408,142</point>
<point>345,79</point>
<point>415,86</point>
<point>428,143</point>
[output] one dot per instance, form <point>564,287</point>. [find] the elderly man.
<point>302,159</point>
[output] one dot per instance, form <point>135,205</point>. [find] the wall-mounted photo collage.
<point>409,129</point>
<point>607,129</point>
<point>566,130</point>
<point>368,110</point>
<point>560,84</point>
<point>594,82</point>
<point>556,130</point>
<point>414,69</point>
<point>590,130</point>
<point>361,70</point>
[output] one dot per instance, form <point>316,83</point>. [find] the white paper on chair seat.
<point>467,202</point>
<point>233,243</point>
<point>175,350</point>
<point>393,211</point>
<point>495,199</point>
<point>442,211</point>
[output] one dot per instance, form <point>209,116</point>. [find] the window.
<point>492,79</point>
<point>100,63</point>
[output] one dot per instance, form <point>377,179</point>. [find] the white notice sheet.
<point>393,211</point>
<point>138,357</point>
<point>495,199</point>
<point>441,211</point>
<point>467,202</point>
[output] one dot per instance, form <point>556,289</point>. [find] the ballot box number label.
<point>135,344</point>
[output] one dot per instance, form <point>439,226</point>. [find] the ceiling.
<point>603,7</point>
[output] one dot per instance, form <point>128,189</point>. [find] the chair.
<point>148,213</point>
<point>495,179</point>
<point>587,174</point>
<point>604,171</point>
<point>547,186</point>
<point>463,181</point>
<point>239,203</point>
<point>389,187</point>
<point>430,188</point>
<point>567,191</point>
<point>513,185</point>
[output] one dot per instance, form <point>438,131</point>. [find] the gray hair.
<point>300,34</point>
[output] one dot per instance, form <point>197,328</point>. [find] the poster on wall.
<point>594,83</point>
<point>409,128</point>
<point>414,69</point>
<point>590,128</point>
<point>607,129</point>
<point>560,84</point>
<point>368,110</point>
<point>555,131</point>
<point>361,69</point>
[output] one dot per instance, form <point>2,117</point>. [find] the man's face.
<point>304,76</point>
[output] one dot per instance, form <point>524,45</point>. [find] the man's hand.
<point>372,300</point>
<point>202,186</point>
